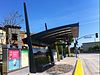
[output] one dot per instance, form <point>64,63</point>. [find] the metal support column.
<point>32,66</point>
<point>51,52</point>
<point>68,50</point>
<point>58,57</point>
<point>62,51</point>
<point>75,47</point>
<point>51,55</point>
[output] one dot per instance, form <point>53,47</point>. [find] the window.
<point>14,37</point>
<point>1,34</point>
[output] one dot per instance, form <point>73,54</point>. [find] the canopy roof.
<point>59,33</point>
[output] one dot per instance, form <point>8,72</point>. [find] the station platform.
<point>67,60</point>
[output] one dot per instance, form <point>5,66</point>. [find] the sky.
<point>56,13</point>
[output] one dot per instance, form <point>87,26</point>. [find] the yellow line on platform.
<point>79,68</point>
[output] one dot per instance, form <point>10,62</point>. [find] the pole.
<point>51,55</point>
<point>62,51</point>
<point>46,27</point>
<point>32,66</point>
<point>49,47</point>
<point>75,47</point>
<point>58,57</point>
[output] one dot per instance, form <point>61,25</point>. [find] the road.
<point>90,64</point>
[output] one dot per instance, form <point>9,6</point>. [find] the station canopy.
<point>50,36</point>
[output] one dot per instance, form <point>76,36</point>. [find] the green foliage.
<point>94,49</point>
<point>59,45</point>
<point>41,60</point>
<point>64,45</point>
<point>71,39</point>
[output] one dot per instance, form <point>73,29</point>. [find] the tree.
<point>71,39</point>
<point>94,49</point>
<point>13,19</point>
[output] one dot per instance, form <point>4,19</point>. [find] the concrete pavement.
<point>90,63</point>
<point>24,71</point>
<point>67,60</point>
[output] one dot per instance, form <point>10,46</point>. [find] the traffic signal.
<point>96,35</point>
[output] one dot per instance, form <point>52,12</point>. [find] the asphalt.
<point>90,64</point>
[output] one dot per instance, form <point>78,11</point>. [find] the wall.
<point>2,37</point>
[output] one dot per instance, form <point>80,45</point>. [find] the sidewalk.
<point>67,60</point>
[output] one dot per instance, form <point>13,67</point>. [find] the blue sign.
<point>14,64</point>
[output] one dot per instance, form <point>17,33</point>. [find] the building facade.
<point>12,35</point>
<point>2,36</point>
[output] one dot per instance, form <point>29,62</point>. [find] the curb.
<point>78,68</point>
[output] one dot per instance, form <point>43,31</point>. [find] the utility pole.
<point>32,66</point>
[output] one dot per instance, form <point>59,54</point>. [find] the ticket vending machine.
<point>11,59</point>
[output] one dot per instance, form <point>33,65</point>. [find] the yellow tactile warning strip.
<point>79,68</point>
